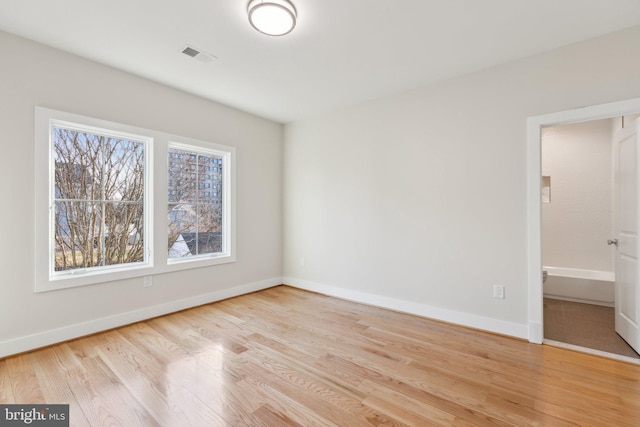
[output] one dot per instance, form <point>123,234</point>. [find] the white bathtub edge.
<point>578,273</point>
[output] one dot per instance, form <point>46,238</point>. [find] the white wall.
<point>418,201</point>
<point>32,74</point>
<point>578,221</point>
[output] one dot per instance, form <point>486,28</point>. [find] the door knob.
<point>612,242</point>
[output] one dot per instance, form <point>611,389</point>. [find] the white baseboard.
<point>53,336</point>
<point>580,300</point>
<point>456,317</point>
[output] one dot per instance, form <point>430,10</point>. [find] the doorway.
<point>577,221</point>
<point>536,126</point>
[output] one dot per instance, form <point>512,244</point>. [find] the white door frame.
<point>534,206</point>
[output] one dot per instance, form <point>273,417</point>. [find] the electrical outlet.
<point>148,281</point>
<point>302,262</point>
<point>498,291</point>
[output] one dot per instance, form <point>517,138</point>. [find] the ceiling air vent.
<point>198,54</point>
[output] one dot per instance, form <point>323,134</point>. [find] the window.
<point>97,184</point>
<point>98,199</point>
<point>196,204</point>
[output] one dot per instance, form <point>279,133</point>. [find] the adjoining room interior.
<point>331,219</point>
<point>577,221</point>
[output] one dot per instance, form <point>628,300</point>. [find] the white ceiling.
<point>342,51</point>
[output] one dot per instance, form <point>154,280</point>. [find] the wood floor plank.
<point>310,389</point>
<point>52,373</point>
<point>272,417</point>
<point>98,390</point>
<point>405,408</point>
<point>322,366</point>
<point>287,357</point>
<point>25,387</point>
<point>210,382</point>
<point>6,387</point>
<point>167,401</point>
<point>284,405</point>
<point>106,396</point>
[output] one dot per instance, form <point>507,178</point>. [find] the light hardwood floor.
<point>286,357</point>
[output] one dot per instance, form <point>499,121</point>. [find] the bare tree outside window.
<point>98,200</point>
<point>195,203</point>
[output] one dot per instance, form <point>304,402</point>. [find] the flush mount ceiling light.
<point>272,17</point>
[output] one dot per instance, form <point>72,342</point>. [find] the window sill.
<point>77,279</point>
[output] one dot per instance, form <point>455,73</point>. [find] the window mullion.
<point>103,196</point>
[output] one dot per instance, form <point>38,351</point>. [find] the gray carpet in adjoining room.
<point>585,325</point>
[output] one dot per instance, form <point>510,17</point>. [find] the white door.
<point>627,241</point>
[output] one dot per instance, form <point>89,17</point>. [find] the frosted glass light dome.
<point>272,17</point>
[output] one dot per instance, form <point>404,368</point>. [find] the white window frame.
<point>226,206</point>
<point>156,200</point>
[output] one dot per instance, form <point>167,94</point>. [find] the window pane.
<point>124,233</point>
<point>209,178</point>
<point>182,221</point>
<point>123,169</point>
<point>182,176</point>
<point>78,165</point>
<point>209,229</point>
<point>78,235</point>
